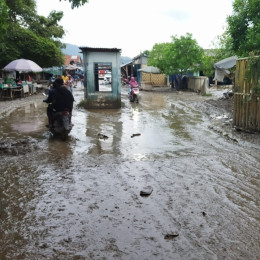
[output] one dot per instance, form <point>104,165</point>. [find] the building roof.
<point>75,58</point>
<point>125,64</point>
<point>97,49</point>
<point>140,55</point>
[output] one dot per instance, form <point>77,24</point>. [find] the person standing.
<point>70,83</point>
<point>65,78</point>
<point>76,79</point>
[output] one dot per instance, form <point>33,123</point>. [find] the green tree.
<point>3,25</point>
<point>76,3</point>
<point>221,50</point>
<point>244,27</point>
<point>157,57</point>
<point>180,56</point>
<point>207,63</point>
<point>29,35</point>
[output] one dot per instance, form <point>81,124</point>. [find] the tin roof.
<point>97,49</point>
<point>69,58</point>
<point>140,55</point>
<point>125,64</point>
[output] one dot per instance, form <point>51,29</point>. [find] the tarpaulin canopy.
<point>226,63</point>
<point>53,70</point>
<point>221,67</point>
<point>71,67</point>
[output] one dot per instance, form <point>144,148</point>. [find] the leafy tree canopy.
<point>177,57</point>
<point>76,3</point>
<point>30,35</point>
<point>207,63</point>
<point>221,50</point>
<point>3,20</point>
<point>244,27</point>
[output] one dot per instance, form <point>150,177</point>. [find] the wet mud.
<point>167,178</point>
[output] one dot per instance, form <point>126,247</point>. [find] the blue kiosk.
<point>102,77</point>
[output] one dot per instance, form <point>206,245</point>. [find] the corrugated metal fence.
<point>246,113</point>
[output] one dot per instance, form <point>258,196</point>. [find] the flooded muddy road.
<point>80,199</point>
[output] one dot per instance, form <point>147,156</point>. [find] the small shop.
<point>102,84</point>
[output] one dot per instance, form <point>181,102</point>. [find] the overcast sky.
<point>136,25</point>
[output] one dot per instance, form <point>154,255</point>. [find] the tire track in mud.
<point>220,143</point>
<point>192,232</point>
<point>86,201</point>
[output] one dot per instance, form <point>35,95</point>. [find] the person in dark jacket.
<point>59,99</point>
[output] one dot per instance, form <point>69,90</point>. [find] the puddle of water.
<point>25,120</point>
<point>28,127</point>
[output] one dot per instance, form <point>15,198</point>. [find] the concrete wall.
<point>146,85</point>
<point>198,84</point>
<point>101,99</point>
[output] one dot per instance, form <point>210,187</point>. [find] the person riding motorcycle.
<point>59,99</point>
<point>51,82</point>
<point>133,84</point>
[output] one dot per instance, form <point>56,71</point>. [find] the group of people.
<point>61,98</point>
<point>69,81</point>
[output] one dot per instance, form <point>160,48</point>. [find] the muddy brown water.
<point>80,199</point>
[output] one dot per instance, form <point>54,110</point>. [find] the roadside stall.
<point>12,87</point>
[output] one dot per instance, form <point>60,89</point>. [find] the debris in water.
<point>171,235</point>
<point>16,147</point>
<point>101,136</point>
<point>146,191</point>
<point>228,94</point>
<point>44,245</point>
<point>133,135</point>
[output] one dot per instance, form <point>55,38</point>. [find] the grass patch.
<point>206,94</point>
<point>82,104</point>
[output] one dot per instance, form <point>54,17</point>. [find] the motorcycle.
<point>133,94</point>
<point>61,121</point>
<point>61,124</point>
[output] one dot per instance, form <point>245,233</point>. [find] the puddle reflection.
<point>104,128</point>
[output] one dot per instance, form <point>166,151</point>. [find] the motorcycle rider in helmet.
<point>133,84</point>
<point>59,99</point>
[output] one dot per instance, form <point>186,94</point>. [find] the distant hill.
<point>71,50</point>
<point>125,59</point>
<point>74,50</point>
